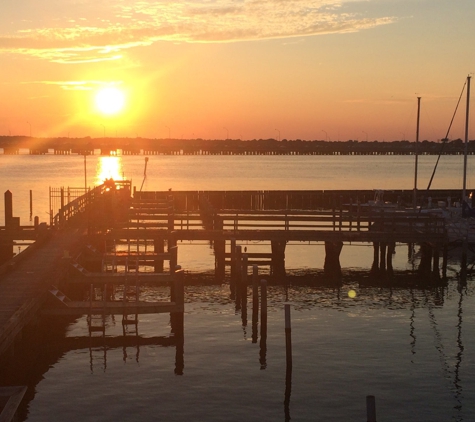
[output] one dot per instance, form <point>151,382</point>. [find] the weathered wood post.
<point>6,244</point>
<point>389,258</point>
<point>173,251</point>
<point>263,341</point>
<point>424,269</point>
<point>31,204</point>
<point>382,256</point>
<point>278,257</point>
<point>288,366</point>
<point>219,250</point>
<point>177,320</point>
<point>243,289</point>
<point>340,222</point>
<point>158,248</point>
<point>332,267</point>
<point>232,283</point>
<point>8,201</point>
<point>370,408</point>
<point>358,217</point>
<point>350,214</point>
<point>237,276</point>
<point>288,337</point>
<point>375,265</point>
<point>61,211</point>
<point>255,302</point>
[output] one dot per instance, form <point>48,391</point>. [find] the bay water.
<point>411,347</point>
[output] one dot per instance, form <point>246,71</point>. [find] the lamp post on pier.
<point>326,134</point>
<point>278,131</point>
<point>366,135</point>
<point>227,132</point>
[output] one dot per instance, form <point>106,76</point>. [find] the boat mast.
<point>464,195</point>
<point>417,151</point>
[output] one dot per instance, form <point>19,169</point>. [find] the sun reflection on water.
<point>107,168</point>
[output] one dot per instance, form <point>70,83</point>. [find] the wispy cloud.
<point>78,85</point>
<point>131,24</point>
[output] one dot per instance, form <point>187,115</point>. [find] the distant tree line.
<point>11,144</point>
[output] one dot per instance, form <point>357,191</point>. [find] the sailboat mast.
<point>417,151</point>
<point>467,112</point>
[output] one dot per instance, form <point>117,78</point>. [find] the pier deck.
<point>24,287</point>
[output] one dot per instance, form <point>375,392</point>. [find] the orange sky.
<point>315,69</point>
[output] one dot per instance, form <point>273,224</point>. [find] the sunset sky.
<point>249,69</point>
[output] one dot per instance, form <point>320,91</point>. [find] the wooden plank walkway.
<point>24,287</point>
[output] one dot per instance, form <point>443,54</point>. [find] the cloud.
<point>124,25</point>
<point>78,85</point>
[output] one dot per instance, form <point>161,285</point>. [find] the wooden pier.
<point>110,238</point>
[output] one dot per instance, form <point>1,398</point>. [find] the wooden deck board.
<point>30,279</point>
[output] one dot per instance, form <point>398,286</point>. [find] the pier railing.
<point>268,200</point>
<point>72,204</point>
<point>341,220</point>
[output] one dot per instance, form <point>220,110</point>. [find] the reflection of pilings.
<point>263,342</point>
<point>463,262</point>
<point>255,302</point>
<point>445,255</point>
<point>288,360</point>
<point>458,362</point>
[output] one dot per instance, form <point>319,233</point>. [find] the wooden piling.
<point>255,302</point>
<point>382,256</point>
<point>219,250</point>
<point>232,284</point>
<point>389,256</point>
<point>158,247</point>
<point>288,337</point>
<point>263,342</point>
<point>288,366</point>
<point>332,267</point>
<point>8,202</point>
<point>370,409</point>
<point>173,251</point>
<point>243,289</point>
<point>278,257</point>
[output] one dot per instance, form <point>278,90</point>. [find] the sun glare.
<point>107,168</point>
<point>110,100</point>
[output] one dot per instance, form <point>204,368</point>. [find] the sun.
<point>110,100</point>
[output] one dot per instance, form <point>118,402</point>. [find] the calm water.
<point>413,349</point>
